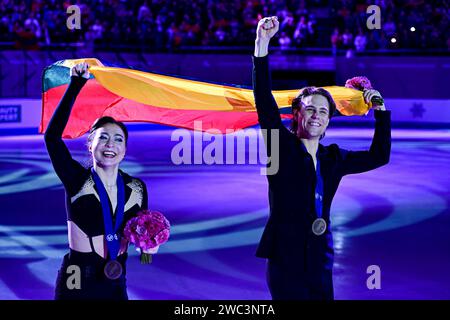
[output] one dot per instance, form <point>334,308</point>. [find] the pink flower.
<point>359,83</point>
<point>147,230</point>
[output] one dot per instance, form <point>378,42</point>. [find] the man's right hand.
<point>80,70</point>
<point>266,29</point>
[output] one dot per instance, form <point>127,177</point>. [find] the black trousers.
<point>288,281</point>
<point>94,285</point>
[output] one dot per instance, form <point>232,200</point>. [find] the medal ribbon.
<point>112,238</point>
<point>318,195</point>
<point>319,189</point>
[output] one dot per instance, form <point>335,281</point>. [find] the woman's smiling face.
<point>108,145</point>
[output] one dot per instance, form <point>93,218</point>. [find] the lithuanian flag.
<point>129,95</point>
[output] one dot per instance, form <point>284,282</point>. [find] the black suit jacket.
<point>288,235</point>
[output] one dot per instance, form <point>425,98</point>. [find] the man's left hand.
<point>375,98</point>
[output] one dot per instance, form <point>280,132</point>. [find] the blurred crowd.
<point>405,24</point>
<point>160,25</point>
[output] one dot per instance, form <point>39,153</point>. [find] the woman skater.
<point>99,201</point>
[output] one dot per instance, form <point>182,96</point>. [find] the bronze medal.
<point>113,269</point>
<point>319,226</point>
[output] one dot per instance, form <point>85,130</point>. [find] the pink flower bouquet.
<point>361,83</point>
<point>148,230</point>
<point>358,83</point>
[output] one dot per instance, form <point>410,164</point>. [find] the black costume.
<point>299,262</point>
<point>84,209</point>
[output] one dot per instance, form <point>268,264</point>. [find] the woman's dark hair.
<point>100,122</point>
<point>309,91</point>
